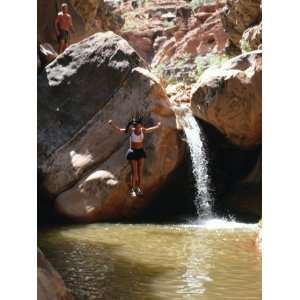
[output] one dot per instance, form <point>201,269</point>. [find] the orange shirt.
<point>64,21</point>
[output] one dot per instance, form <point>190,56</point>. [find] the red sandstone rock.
<point>198,39</point>
<point>237,16</point>
<point>195,33</point>
<point>230,98</point>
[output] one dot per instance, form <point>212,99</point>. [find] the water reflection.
<point>152,262</point>
<point>197,266</point>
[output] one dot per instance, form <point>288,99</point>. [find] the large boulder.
<point>141,42</point>
<point>77,84</point>
<point>230,99</point>
<point>237,16</point>
<point>81,158</point>
<point>50,285</point>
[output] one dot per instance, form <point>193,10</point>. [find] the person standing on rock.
<point>63,26</point>
<point>136,153</point>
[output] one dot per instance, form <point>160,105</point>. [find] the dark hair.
<point>135,119</point>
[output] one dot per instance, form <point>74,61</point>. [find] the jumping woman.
<point>135,154</point>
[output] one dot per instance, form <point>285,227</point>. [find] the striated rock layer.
<point>165,30</point>
<point>203,33</point>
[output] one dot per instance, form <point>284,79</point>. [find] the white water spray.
<point>195,140</point>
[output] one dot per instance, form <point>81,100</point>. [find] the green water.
<point>217,260</point>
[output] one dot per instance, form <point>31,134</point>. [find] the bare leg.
<point>65,46</point>
<point>133,164</point>
<point>61,47</point>
<point>131,179</point>
<point>140,171</point>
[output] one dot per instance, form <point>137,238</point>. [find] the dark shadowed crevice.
<point>228,166</point>
<point>46,214</point>
<point>174,202</point>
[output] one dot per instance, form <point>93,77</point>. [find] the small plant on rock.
<point>196,3</point>
<point>210,60</point>
<point>184,59</point>
<point>245,45</point>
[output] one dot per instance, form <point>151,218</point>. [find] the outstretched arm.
<point>115,127</point>
<point>150,129</point>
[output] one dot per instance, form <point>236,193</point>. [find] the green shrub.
<point>184,59</point>
<point>202,63</point>
<point>196,3</point>
<point>245,46</point>
<point>210,60</point>
<point>159,72</point>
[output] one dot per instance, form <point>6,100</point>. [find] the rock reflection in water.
<point>154,262</point>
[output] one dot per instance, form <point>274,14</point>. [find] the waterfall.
<point>195,140</point>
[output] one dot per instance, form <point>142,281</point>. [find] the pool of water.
<point>209,261</point>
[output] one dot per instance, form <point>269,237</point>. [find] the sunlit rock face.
<point>230,99</point>
<point>81,158</point>
<point>161,32</point>
<point>237,16</point>
<point>253,36</point>
<point>201,34</point>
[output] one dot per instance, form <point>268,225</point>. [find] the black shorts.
<point>63,36</point>
<point>136,154</point>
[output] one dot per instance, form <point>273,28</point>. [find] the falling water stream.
<point>195,140</point>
